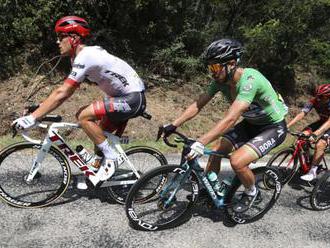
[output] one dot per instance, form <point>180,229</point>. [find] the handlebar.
<point>47,118</point>
<point>300,135</point>
<point>181,139</point>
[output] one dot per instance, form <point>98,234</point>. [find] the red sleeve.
<point>72,82</point>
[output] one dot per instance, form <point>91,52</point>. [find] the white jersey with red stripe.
<point>113,75</point>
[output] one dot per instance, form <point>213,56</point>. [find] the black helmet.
<point>222,51</point>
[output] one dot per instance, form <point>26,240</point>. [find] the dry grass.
<point>163,103</point>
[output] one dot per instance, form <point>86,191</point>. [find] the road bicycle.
<point>175,190</point>
<point>295,159</point>
<point>35,173</point>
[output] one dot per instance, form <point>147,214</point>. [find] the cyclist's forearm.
<point>193,109</point>
<point>297,118</point>
<point>221,127</point>
<point>188,114</point>
<point>236,110</point>
<point>55,99</point>
<point>325,126</point>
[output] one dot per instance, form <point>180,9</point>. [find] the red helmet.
<point>72,24</point>
<point>323,90</point>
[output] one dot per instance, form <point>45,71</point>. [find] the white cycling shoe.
<point>106,170</point>
<point>310,176</point>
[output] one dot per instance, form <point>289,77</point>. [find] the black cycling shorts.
<point>261,138</point>
<point>119,109</point>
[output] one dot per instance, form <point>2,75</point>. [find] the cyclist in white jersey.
<point>124,89</point>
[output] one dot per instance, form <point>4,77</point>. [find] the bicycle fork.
<point>173,186</point>
<point>44,149</point>
<point>122,158</point>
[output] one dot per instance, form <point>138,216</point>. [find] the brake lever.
<point>14,131</point>
<point>160,132</point>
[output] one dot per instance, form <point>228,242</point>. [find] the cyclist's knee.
<point>236,163</point>
<point>79,114</point>
<point>239,168</point>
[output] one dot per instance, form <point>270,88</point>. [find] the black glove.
<point>168,129</point>
<point>30,108</point>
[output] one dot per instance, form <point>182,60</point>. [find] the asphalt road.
<point>89,219</point>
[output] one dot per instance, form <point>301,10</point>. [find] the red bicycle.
<point>295,159</point>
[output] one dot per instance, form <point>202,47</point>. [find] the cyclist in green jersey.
<point>252,97</point>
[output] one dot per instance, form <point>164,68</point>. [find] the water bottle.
<point>84,154</point>
<point>213,179</point>
<point>224,187</point>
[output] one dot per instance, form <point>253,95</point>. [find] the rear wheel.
<point>269,195</point>
<point>173,192</point>
<point>286,165</point>
<point>49,183</point>
<point>320,198</point>
<point>143,159</point>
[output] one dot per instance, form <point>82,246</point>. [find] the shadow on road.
<point>304,202</point>
<point>72,194</point>
<point>205,210</point>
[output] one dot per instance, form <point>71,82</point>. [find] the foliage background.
<point>282,38</point>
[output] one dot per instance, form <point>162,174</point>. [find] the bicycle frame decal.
<point>273,175</point>
<point>56,139</point>
<point>209,188</point>
<point>13,201</point>
<point>145,225</point>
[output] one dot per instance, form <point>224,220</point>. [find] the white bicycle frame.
<point>53,137</point>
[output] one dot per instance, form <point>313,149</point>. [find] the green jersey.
<point>266,105</point>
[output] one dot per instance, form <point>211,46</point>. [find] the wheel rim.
<point>49,183</point>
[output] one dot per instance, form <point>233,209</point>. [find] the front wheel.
<point>174,191</point>
<point>264,176</point>
<point>320,198</point>
<point>143,158</point>
<point>49,183</point>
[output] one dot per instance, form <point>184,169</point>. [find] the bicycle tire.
<point>46,187</point>
<point>280,161</point>
<point>320,197</point>
<point>154,214</point>
<point>269,196</point>
<point>143,158</point>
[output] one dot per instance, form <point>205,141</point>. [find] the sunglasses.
<point>215,68</point>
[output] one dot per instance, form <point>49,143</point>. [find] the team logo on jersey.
<point>247,87</point>
<point>79,66</point>
<point>257,139</point>
<point>267,145</point>
<point>122,79</point>
<point>121,106</point>
<point>73,73</point>
<point>280,132</point>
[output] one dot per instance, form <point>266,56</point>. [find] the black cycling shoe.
<point>246,202</point>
